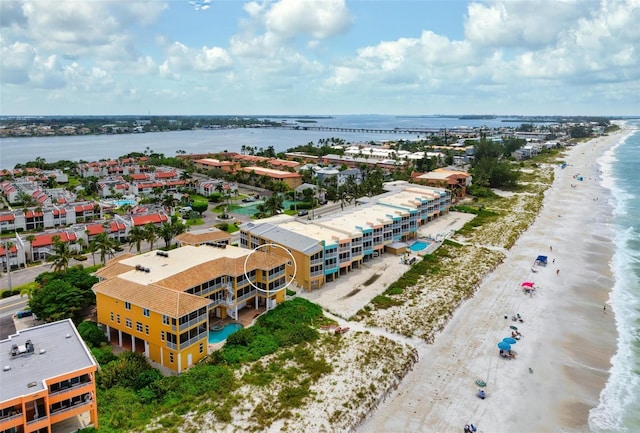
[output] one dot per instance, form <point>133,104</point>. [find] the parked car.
<point>324,201</point>
<point>23,313</point>
<point>303,213</point>
<point>248,199</point>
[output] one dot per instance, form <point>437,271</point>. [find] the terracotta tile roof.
<point>83,207</point>
<point>46,239</point>
<point>3,251</point>
<point>113,270</point>
<point>276,174</point>
<point>32,214</point>
<point>166,174</point>
<point>148,219</point>
<point>140,176</point>
<point>94,229</point>
<point>116,226</point>
<point>199,238</point>
<point>221,266</point>
<point>158,299</point>
<point>175,182</point>
<point>7,217</point>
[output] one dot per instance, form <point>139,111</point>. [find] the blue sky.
<point>530,57</point>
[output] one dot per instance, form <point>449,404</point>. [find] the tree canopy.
<point>490,168</point>
<point>62,295</point>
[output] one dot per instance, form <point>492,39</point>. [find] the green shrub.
<point>9,293</point>
<point>91,333</point>
<point>382,302</point>
<point>223,226</point>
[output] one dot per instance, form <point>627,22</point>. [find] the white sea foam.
<point>620,399</point>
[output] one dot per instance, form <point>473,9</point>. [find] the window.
<point>165,320</point>
<point>146,329</point>
<point>111,316</point>
<point>162,335</point>
<point>127,305</point>
<point>201,347</point>
<point>118,318</point>
<point>171,357</point>
<point>145,312</point>
<point>138,326</point>
<point>127,322</point>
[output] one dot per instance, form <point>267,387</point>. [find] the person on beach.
<point>557,272</point>
<point>550,248</point>
<point>604,309</point>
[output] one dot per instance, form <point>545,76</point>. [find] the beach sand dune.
<point>563,357</point>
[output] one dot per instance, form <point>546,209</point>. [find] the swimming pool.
<point>418,246</point>
<point>223,334</point>
<point>124,202</point>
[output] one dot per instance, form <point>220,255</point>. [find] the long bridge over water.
<point>418,131</point>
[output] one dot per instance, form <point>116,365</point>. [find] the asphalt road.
<point>8,308</point>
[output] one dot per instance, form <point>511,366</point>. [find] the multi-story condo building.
<point>48,381</point>
<point>162,303</point>
<point>332,246</point>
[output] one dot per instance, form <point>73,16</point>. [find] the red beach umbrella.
<point>527,284</point>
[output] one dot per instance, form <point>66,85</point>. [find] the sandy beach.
<point>568,338</point>
<point>413,367</point>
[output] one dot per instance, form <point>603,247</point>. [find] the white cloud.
<point>92,80</point>
<point>17,60</point>
<point>428,61</point>
<point>522,23</point>
<point>200,5</point>
<point>576,45</point>
<point>181,58</point>
<point>319,19</point>
<point>272,27</point>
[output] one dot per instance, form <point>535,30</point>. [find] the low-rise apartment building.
<point>334,245</point>
<point>48,380</point>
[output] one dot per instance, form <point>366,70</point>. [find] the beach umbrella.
<point>504,346</point>
<point>527,284</point>
<point>509,340</point>
<point>515,328</point>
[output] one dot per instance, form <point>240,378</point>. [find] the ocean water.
<point>619,407</point>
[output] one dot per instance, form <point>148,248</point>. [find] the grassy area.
<point>129,383</point>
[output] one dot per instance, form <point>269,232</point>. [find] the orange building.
<point>47,381</point>
<point>293,180</point>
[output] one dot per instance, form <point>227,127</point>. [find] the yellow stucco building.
<point>162,303</point>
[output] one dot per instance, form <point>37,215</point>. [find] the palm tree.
<point>168,201</point>
<point>105,245</point>
<point>92,249</point>
<point>274,204</point>
<point>150,234</point>
<point>61,255</point>
<point>166,233</point>
<point>136,236</point>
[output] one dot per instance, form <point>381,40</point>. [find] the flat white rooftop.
<point>58,349</point>
<point>178,260</point>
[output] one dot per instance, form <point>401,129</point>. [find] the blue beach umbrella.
<point>509,340</point>
<point>504,346</point>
